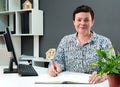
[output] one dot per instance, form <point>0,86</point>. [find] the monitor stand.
<point>11,69</point>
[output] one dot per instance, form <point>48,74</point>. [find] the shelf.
<point>33,23</point>
<point>7,12</point>
<point>20,11</point>
<point>34,60</point>
<point>24,35</point>
<point>40,59</point>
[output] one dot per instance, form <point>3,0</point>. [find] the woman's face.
<point>83,22</point>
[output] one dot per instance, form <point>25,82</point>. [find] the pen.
<point>54,65</point>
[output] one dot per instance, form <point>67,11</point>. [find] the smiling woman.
<point>76,51</point>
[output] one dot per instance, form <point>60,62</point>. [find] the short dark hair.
<point>83,8</point>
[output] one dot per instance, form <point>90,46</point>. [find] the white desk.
<point>14,80</point>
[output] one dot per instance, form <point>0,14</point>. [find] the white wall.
<point>4,56</point>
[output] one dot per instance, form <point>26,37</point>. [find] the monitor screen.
<point>10,48</point>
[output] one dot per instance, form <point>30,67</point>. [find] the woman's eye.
<point>79,20</point>
<point>86,20</point>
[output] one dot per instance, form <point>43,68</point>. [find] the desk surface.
<point>14,80</point>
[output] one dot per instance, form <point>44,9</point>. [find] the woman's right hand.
<point>54,69</point>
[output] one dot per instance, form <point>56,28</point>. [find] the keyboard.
<point>26,70</point>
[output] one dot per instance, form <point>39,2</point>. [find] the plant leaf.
<point>101,53</point>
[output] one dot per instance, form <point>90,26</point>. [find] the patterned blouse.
<point>71,56</point>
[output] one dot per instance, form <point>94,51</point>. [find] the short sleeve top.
<point>71,56</point>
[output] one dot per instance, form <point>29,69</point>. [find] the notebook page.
<point>64,77</point>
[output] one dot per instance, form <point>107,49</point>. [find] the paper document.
<point>64,77</point>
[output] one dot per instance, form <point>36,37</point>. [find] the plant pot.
<point>114,81</point>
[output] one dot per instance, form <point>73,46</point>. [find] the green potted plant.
<point>110,65</point>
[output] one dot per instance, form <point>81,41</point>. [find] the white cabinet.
<point>14,15</point>
<point>35,21</point>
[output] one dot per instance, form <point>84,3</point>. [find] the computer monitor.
<point>10,48</point>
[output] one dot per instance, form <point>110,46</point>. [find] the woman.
<point>77,51</point>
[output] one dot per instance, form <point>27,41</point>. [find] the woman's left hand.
<point>95,78</point>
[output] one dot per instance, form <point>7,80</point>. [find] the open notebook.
<point>64,77</point>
